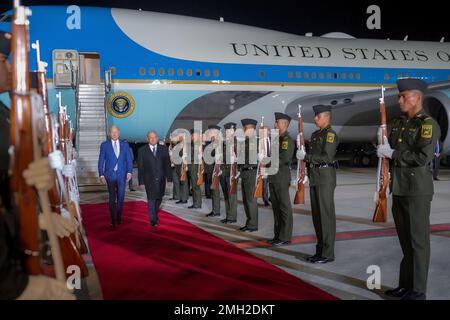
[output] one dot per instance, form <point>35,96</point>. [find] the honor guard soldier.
<point>209,171</point>
<point>183,186</point>
<point>230,159</point>
<point>248,176</point>
<point>322,166</point>
<point>279,184</point>
<point>193,171</point>
<point>175,179</point>
<point>411,144</point>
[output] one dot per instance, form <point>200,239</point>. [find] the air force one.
<point>164,71</point>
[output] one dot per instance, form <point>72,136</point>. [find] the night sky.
<point>426,21</point>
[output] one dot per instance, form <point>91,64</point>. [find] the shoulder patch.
<point>285,144</point>
<point>427,131</point>
<point>330,137</point>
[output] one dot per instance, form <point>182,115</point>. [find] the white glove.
<point>63,227</point>
<point>39,175</point>
<point>385,151</point>
<point>301,154</point>
<point>46,288</point>
<point>260,157</point>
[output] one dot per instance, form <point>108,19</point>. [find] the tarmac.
<point>361,246</point>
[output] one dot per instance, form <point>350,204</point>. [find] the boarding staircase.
<point>91,132</point>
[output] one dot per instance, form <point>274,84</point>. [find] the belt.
<point>326,165</point>
<point>249,168</point>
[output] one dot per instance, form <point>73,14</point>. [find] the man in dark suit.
<point>115,168</point>
<point>154,168</point>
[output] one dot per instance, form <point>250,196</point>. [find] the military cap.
<point>5,43</point>
<point>321,108</point>
<point>411,84</point>
<point>213,126</point>
<point>248,121</point>
<point>282,116</point>
<point>229,125</point>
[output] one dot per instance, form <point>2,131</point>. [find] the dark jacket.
<point>153,171</point>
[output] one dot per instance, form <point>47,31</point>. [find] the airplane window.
<point>313,75</point>
<point>290,75</point>
<point>350,75</point>
<point>206,73</point>
<point>334,102</point>
<point>180,72</point>
<point>358,76</point>
<point>216,73</point>
<point>328,75</point>
<point>171,72</point>
<point>336,75</point>
<point>306,75</point>
<point>298,74</point>
<point>343,75</point>
<point>142,71</point>
<point>152,71</point>
<point>386,76</point>
<point>262,74</point>
<point>113,70</point>
<point>321,75</point>
<point>189,72</point>
<point>161,71</point>
<point>198,72</point>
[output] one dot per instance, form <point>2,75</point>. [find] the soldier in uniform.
<point>322,166</point>
<point>182,185</point>
<point>193,171</point>
<point>248,177</point>
<point>230,199</point>
<point>175,178</point>
<point>279,184</point>
<point>413,138</point>
<point>209,170</point>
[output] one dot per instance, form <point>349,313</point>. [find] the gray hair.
<point>113,127</point>
<point>152,131</point>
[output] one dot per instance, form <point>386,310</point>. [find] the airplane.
<point>163,71</point>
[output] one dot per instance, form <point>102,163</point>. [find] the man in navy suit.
<point>154,168</point>
<point>115,168</point>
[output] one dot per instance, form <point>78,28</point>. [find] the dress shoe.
<point>112,225</point>
<point>310,258</point>
<point>266,204</point>
<point>397,292</point>
<point>179,201</point>
<point>271,241</point>
<point>213,214</point>
<point>280,243</point>
<point>119,221</point>
<point>414,295</point>
<point>228,221</point>
<point>154,224</point>
<point>193,207</point>
<point>321,260</point>
<point>247,229</point>
<point>132,189</point>
<point>242,228</point>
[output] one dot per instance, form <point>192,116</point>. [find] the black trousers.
<point>153,208</point>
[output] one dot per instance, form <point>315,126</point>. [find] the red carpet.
<point>178,260</point>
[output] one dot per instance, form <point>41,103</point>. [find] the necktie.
<point>116,151</point>
<point>154,150</point>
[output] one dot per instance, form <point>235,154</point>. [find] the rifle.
<point>183,176</point>
<point>258,193</point>
<point>69,250</point>
<point>301,167</point>
<point>201,166</point>
<point>234,174</point>
<point>380,214</point>
<point>26,140</point>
